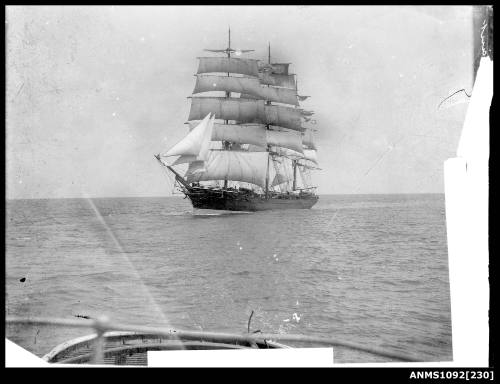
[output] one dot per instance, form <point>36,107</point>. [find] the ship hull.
<point>234,201</point>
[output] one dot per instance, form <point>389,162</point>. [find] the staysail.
<point>279,179</point>
<point>195,143</point>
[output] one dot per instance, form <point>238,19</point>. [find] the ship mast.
<point>267,128</point>
<point>227,144</point>
<point>295,162</point>
<point>251,119</point>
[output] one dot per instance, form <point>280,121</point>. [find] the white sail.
<point>249,167</point>
<point>286,81</point>
<point>241,133</point>
<point>278,95</point>
<point>288,153</point>
<point>279,179</point>
<point>310,154</point>
<point>191,144</point>
<point>241,110</point>
<point>205,144</point>
<point>257,148</point>
<point>276,68</point>
<point>283,117</point>
<point>183,159</point>
<point>238,133</point>
<point>247,86</point>
<point>285,139</point>
<point>230,65</point>
<point>307,139</point>
<point>208,83</point>
<point>245,111</point>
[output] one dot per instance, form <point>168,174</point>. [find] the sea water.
<point>367,269</point>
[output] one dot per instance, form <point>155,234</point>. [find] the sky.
<point>93,92</point>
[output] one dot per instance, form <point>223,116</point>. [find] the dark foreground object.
<point>130,348</point>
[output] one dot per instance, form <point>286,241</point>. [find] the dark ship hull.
<point>246,200</point>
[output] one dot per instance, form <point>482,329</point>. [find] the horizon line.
<point>175,196</point>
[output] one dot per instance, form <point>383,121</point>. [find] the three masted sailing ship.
<point>247,148</point>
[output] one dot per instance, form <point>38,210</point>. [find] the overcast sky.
<point>94,92</point>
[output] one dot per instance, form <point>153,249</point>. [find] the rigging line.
<point>454,93</point>
<point>165,175</point>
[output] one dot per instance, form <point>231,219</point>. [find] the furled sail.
<point>307,139</point>
<point>286,81</point>
<point>285,139</point>
<point>229,50</point>
<point>245,111</point>
<point>249,167</point>
<point>195,143</point>
<point>228,64</point>
<point>238,133</point>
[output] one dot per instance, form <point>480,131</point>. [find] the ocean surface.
<point>368,269</point>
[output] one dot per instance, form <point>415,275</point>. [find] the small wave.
<point>241,273</point>
<point>316,270</point>
<point>411,282</point>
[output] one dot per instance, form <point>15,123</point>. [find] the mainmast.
<point>267,128</point>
